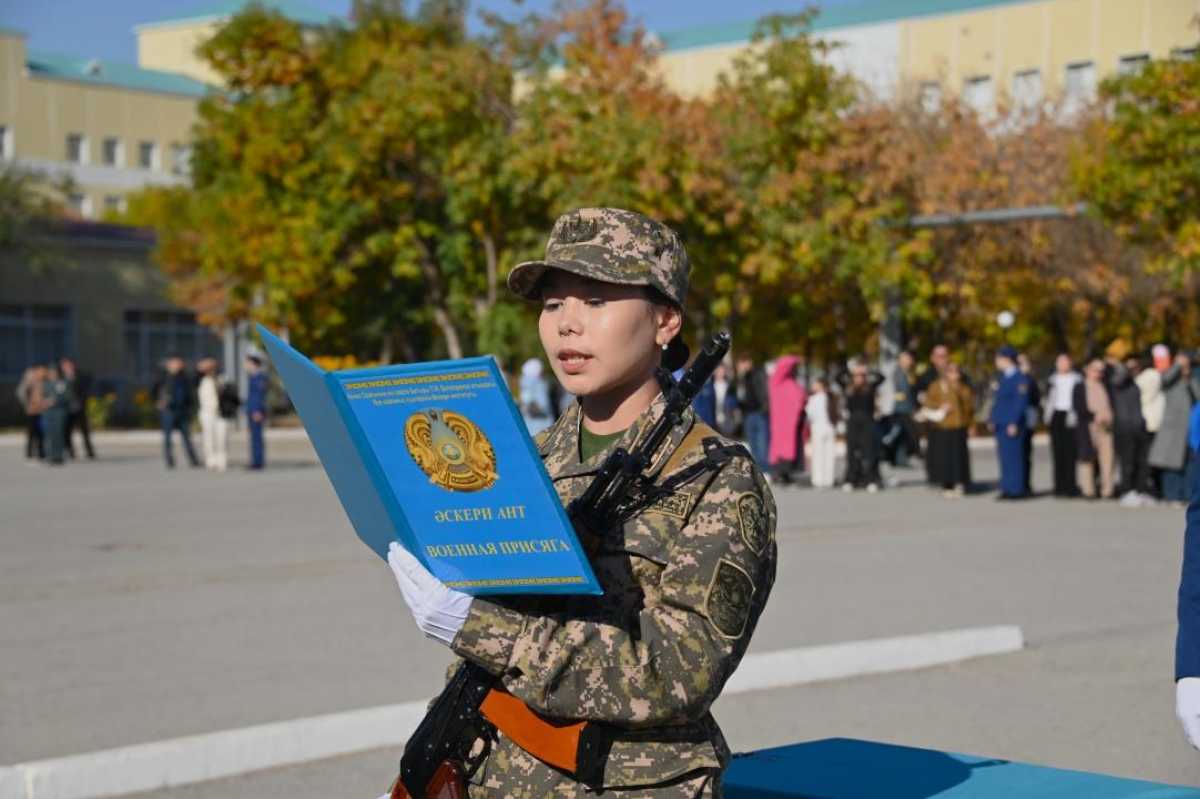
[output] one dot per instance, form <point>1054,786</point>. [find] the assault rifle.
<point>437,759</point>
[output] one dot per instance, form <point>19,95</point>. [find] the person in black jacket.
<point>752,399</point>
<point>79,387</point>
<point>175,395</point>
<point>1130,439</point>
<point>862,459</point>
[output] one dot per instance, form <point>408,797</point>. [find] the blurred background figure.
<point>256,410</point>
<point>821,412</point>
<point>752,398</point>
<point>1062,420</point>
<point>949,406</point>
<point>79,388</point>
<point>55,402</point>
<point>1094,436</point>
<point>534,398</point>
<point>214,428</point>
<point>787,399</point>
<point>1009,403</point>
<point>176,401</point>
<point>726,412</point>
<point>862,457</point>
<point>29,395</point>
<point>1033,414</point>
<point>1169,449</point>
<point>900,440</point>
<point>1129,426</point>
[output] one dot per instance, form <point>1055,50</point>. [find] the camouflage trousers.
<point>512,773</point>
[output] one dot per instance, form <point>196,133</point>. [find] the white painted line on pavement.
<point>196,758</point>
<point>876,656</point>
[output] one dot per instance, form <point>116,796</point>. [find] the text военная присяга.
<point>520,546</point>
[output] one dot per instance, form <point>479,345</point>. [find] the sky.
<point>104,28</point>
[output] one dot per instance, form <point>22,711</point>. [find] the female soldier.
<point>685,575</point>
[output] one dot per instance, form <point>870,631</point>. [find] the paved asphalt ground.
<point>138,604</point>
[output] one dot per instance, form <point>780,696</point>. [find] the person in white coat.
<point>821,412</point>
<point>214,429</point>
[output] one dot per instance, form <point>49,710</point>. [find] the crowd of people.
<point>55,399</point>
<point>1124,427</point>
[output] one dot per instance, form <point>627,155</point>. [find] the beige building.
<point>983,50</point>
<point>112,128</point>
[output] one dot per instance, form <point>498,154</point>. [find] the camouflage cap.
<point>613,246</point>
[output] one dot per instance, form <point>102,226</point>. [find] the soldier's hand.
<point>1187,708</point>
<point>1012,431</point>
<point>439,611</point>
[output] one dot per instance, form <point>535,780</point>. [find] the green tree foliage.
<point>1140,165</point>
<point>346,183</point>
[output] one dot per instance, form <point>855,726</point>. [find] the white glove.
<point>1187,708</point>
<point>440,611</point>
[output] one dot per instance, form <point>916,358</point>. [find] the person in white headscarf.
<point>535,397</point>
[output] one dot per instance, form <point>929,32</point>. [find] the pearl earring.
<point>665,347</point>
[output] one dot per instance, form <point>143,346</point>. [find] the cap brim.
<point>525,278</point>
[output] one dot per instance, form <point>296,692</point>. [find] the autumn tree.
<point>1139,166</point>
<point>346,181</point>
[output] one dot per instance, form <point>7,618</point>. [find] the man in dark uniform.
<point>1187,643</point>
<point>1009,404</point>
<point>256,410</point>
<point>176,400</point>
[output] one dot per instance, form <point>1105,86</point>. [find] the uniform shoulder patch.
<point>675,503</point>
<point>752,521</point>
<point>728,602</point>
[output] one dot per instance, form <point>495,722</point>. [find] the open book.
<point>436,456</point>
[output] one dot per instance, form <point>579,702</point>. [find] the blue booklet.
<point>436,456</point>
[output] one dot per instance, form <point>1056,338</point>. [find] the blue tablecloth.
<point>843,768</point>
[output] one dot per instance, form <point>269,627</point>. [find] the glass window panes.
<point>31,334</point>
<point>978,93</point>
<point>1080,84</point>
<point>147,155</point>
<point>77,202</point>
<point>112,152</point>
<point>1130,64</point>
<point>1185,52</point>
<point>150,336</point>
<point>1027,88</point>
<point>76,151</point>
<point>181,159</point>
<point>931,96</point>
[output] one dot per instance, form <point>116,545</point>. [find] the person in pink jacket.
<point>787,406</point>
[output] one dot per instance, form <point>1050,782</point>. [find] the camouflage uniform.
<point>686,575</point>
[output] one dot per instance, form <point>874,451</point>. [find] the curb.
<point>119,437</point>
<point>195,758</point>
<point>876,656</point>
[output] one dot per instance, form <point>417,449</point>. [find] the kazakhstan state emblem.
<point>451,450</point>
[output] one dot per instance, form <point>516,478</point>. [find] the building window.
<point>6,144</point>
<point>148,155</point>
<point>1184,53</point>
<point>1130,64</point>
<point>930,96</point>
<point>32,334</point>
<point>81,204</point>
<point>114,204</point>
<point>1027,89</point>
<point>150,336</point>
<point>181,159</point>
<point>77,148</point>
<point>1080,85</point>
<point>979,94</point>
<point>113,152</point>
